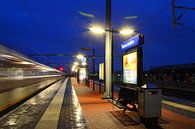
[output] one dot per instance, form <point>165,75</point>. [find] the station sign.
<point>133,41</point>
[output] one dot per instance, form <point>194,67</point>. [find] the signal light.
<point>61,68</point>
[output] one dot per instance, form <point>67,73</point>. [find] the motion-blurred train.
<point>21,78</point>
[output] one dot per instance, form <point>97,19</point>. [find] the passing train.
<point>22,78</point>
<point>14,64</point>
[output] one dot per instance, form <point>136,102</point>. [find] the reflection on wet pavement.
<point>71,115</point>
<point>29,113</point>
<point>7,99</point>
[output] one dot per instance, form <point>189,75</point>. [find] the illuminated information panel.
<point>101,71</point>
<point>83,74</point>
<point>130,68</point>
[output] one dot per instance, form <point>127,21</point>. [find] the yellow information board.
<point>130,68</point>
<point>101,71</point>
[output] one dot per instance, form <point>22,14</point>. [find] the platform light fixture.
<point>126,31</point>
<point>100,30</point>
<point>83,63</point>
<point>109,33</point>
<point>97,30</point>
<point>80,56</point>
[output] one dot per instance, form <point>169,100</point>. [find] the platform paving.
<point>64,112</point>
<point>28,114</point>
<point>99,113</point>
<point>51,116</point>
<point>76,106</point>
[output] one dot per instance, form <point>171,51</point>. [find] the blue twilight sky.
<point>56,26</point>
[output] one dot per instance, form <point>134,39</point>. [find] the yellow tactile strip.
<point>181,106</point>
<point>49,120</point>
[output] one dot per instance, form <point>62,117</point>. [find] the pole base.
<point>107,96</point>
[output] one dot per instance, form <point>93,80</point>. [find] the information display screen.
<point>101,71</point>
<point>130,68</point>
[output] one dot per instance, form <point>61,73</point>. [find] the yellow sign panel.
<point>130,68</point>
<point>101,71</point>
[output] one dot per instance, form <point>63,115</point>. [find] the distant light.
<point>84,63</point>
<point>86,14</point>
<point>74,66</point>
<point>126,31</point>
<point>80,56</point>
<point>83,60</point>
<point>97,30</point>
<point>76,63</point>
<point>73,69</point>
<point>61,68</point>
<point>83,73</point>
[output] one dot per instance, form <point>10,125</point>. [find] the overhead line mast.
<point>175,20</point>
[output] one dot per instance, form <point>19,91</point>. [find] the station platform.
<point>69,105</point>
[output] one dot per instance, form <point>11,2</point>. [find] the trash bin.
<point>149,104</point>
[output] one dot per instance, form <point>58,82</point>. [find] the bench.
<point>126,96</point>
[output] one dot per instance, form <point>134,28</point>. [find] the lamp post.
<point>109,49</point>
<point>108,53</point>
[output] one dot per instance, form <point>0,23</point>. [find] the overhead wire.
<point>162,42</point>
<point>34,22</point>
<point>146,22</point>
<point>12,34</point>
<point>151,18</point>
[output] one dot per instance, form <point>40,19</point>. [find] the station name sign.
<point>133,41</point>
